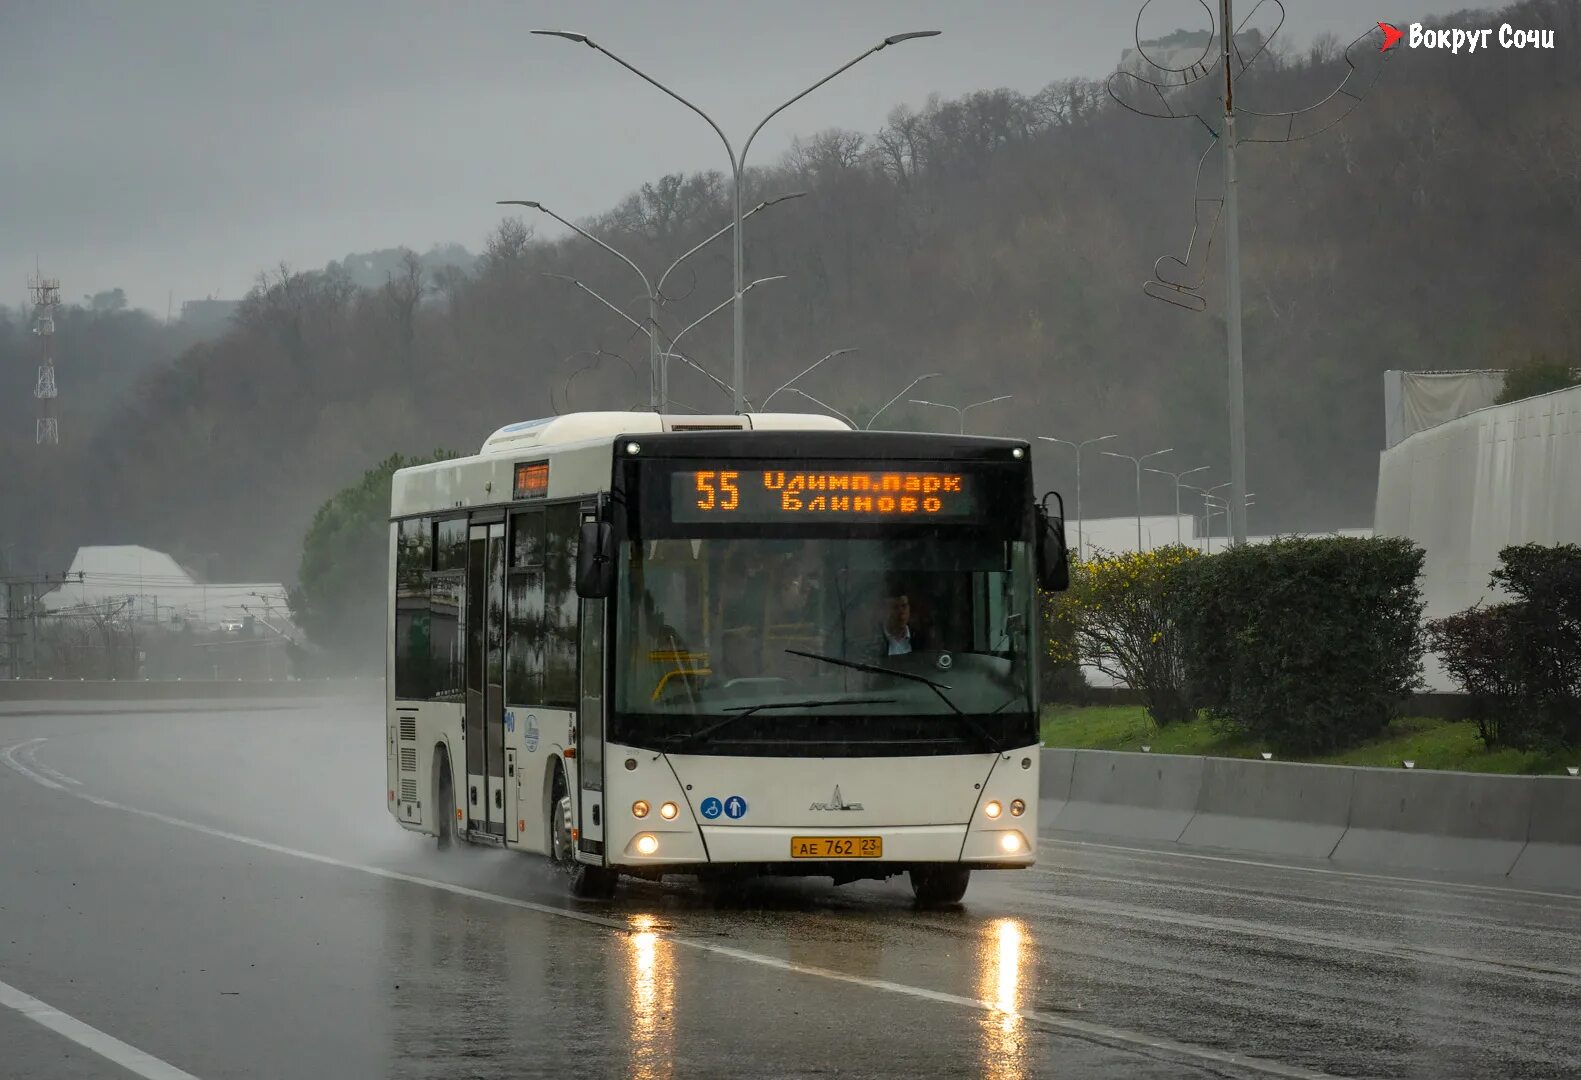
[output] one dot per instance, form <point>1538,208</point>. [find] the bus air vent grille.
<point>408,759</point>
<point>409,789</point>
<point>408,728</point>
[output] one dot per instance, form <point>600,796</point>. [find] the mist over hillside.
<point>1000,239</point>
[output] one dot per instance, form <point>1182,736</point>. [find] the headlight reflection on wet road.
<point>651,990</point>
<point>999,963</point>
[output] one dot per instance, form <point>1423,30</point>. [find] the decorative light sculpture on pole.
<point>737,165</point>
<point>1176,477</point>
<point>920,378</point>
<point>786,385</point>
<point>1080,557</point>
<point>961,410</point>
<point>1137,461</point>
<point>1148,92</point>
<point>655,293</point>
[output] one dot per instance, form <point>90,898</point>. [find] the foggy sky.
<point>181,147</point>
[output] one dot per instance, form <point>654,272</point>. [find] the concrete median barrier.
<point>1273,807</point>
<point>1054,773</point>
<point>1137,796</point>
<point>1461,822</point>
<point>1552,855</point>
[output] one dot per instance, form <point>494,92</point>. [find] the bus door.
<point>590,729</point>
<point>485,661</point>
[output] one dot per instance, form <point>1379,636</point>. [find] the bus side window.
<point>524,647</point>
<point>560,607</point>
<point>413,560</point>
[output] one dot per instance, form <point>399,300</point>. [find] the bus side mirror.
<point>1053,557</point>
<point>595,560</point>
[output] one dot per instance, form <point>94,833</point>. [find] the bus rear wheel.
<point>937,885</point>
<point>444,803</point>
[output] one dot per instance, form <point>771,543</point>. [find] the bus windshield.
<point>796,640</point>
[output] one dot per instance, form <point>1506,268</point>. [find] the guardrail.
<point>1524,828</point>
<point>183,689</point>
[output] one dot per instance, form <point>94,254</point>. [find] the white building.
<point>149,586</point>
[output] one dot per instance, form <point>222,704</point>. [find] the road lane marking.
<point>91,1038</point>
<point>29,755</point>
<point>1100,1034</point>
<point>9,757</point>
<point>1045,838</point>
<point>1318,939</point>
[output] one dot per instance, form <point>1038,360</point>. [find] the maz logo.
<point>835,803</point>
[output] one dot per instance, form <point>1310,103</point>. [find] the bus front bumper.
<point>1009,845</point>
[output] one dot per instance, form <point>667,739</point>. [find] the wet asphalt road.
<point>223,891</point>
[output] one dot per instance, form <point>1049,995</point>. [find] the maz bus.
<point>761,644</point>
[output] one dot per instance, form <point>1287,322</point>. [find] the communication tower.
<point>46,298</point>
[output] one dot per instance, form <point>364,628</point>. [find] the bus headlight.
<point>993,808</point>
<point>639,809</point>
<point>1017,807</point>
<point>668,810</point>
<point>647,844</point>
<point>1010,843</point>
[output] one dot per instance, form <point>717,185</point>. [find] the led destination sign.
<point>753,495</point>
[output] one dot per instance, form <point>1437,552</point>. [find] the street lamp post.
<point>1207,513</point>
<point>655,293</point>
<point>961,410</point>
<point>1137,461</point>
<point>1080,557</point>
<point>1176,477</point>
<point>737,165</point>
<point>920,378</point>
<point>786,385</point>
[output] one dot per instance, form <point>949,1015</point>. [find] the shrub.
<point>1536,375</point>
<point>1521,661</point>
<point>1060,676</point>
<point>1116,616</point>
<point>1307,645</point>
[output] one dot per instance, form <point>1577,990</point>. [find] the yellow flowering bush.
<point>1117,617</point>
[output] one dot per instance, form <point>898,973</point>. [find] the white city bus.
<point>763,644</point>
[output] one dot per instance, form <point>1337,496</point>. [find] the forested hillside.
<point>1000,239</point>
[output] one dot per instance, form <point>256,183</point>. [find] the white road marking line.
<point>9,757</point>
<point>30,756</point>
<point>1388,878</point>
<point>1102,1034</point>
<point>91,1038</point>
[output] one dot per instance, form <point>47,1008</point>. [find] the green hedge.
<point>1521,661</point>
<point>1307,645</point>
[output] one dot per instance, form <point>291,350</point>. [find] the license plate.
<point>837,847</point>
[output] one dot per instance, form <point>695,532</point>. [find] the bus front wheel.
<point>587,882</point>
<point>935,885</point>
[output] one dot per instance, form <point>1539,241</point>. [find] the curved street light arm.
<point>695,366</point>
<point>721,306</point>
<point>542,209</point>
<point>920,378</point>
<point>600,299</point>
<point>990,401</point>
<point>823,405</point>
<point>650,80</point>
<point>786,384</point>
<point>764,205</point>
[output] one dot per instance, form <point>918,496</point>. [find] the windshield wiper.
<point>743,711</point>
<point>932,684</point>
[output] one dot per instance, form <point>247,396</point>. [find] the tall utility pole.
<point>46,298</point>
<point>1232,263</point>
<point>1154,89</point>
